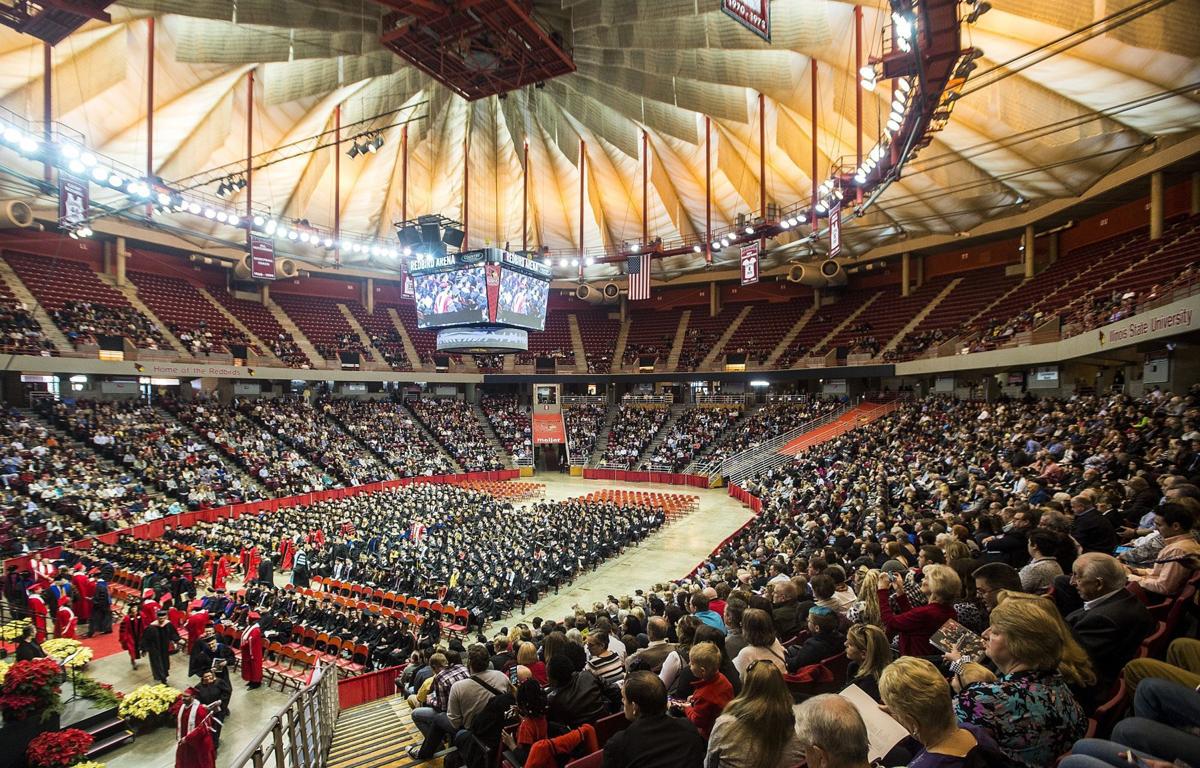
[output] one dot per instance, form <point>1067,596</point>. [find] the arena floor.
<point>671,553</point>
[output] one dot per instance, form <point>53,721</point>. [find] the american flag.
<point>638,270</point>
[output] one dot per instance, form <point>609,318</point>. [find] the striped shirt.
<point>607,669</point>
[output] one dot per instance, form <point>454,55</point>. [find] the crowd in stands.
<point>155,448</point>
<point>510,421</point>
<point>391,433</point>
<point>633,429</point>
<point>285,348</point>
<point>299,424</point>
<point>771,420</point>
<point>454,425</point>
<point>84,322</point>
<point>280,468</point>
<point>583,423</point>
<point>690,435</point>
<point>347,342</point>
<point>915,343</point>
<point>201,340</point>
<point>659,352</point>
<point>20,333</point>
<point>54,491</point>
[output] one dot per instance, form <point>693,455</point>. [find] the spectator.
<point>831,733</point>
<point>757,729</point>
<point>711,690</point>
<point>653,739</point>
<point>761,642</point>
<point>869,654</point>
<point>941,586</point>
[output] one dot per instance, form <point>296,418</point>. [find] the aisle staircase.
<point>863,413</point>
<point>661,435</point>
<point>603,435</point>
<point>618,357</point>
<point>719,346</point>
<point>363,336</point>
<point>421,425</point>
<point>410,349</point>
<point>680,338</point>
<point>376,735</point>
<point>289,326</point>
<point>786,341</point>
<point>576,343</point>
<point>233,319</point>
<point>129,291</point>
<point>918,318</point>
<point>19,290</point>
<point>821,345</point>
<point>248,480</point>
<point>493,439</point>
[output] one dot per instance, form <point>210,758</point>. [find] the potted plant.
<point>61,649</point>
<point>30,705</point>
<point>146,707</point>
<point>59,749</point>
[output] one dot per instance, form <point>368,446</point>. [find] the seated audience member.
<point>1112,623</point>
<point>711,691</point>
<point>1176,524</point>
<point>469,697</point>
<point>758,728</point>
<point>1164,729</point>
<point>527,657</point>
<point>735,608</point>
<point>699,604</point>
<point>656,651</point>
<point>761,642</point>
<point>576,697</point>
<point>432,719</point>
<point>531,709</point>
<point>941,586</point>
<point>706,634</point>
<point>831,733</point>
<point>1029,711</point>
<point>788,612</point>
<point>1043,567</point>
<point>992,579</point>
<point>1090,528</point>
<point>653,738</point>
<point>823,641</point>
<point>677,659</point>
<point>918,697</point>
<point>1182,665</point>
<point>603,663</point>
<point>869,654</point>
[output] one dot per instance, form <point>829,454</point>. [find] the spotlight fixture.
<point>980,9</point>
<point>353,151</point>
<point>696,249</point>
<point>378,143</point>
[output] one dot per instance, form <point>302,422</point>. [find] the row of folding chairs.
<point>452,619</point>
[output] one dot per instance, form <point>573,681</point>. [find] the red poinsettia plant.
<point>31,687</point>
<point>58,749</point>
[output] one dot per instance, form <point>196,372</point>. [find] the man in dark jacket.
<point>266,571</point>
<point>156,642</point>
<point>576,697</point>
<point>787,610</point>
<point>823,641</point>
<point>653,739</point>
<point>1112,622</point>
<point>1091,529</point>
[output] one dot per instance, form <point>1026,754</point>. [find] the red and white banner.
<point>750,264</point>
<point>548,429</point>
<point>406,281</point>
<point>72,201</point>
<point>754,15</point>
<point>835,229</point>
<point>262,257</point>
<point>493,290</point>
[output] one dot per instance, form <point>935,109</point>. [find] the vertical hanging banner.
<point>750,264</point>
<point>262,257</point>
<point>493,290</point>
<point>406,281</point>
<point>835,229</point>
<point>754,15</point>
<point>73,201</point>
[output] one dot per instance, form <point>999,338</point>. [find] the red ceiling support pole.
<point>762,165</point>
<point>404,173</point>
<point>858,93</point>
<point>337,185</point>
<point>813,212</point>
<point>525,199</point>
<point>645,187</point>
<point>149,103</point>
<point>582,176</point>
<point>249,148</point>
<point>707,189</point>
<point>47,96</point>
<point>466,188</point>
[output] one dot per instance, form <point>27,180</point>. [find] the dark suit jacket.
<point>1112,631</point>
<point>659,741</point>
<point>1093,532</point>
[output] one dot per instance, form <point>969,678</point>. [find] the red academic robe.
<point>196,624</point>
<point>194,748</point>
<point>65,621</point>
<point>82,599</point>
<point>287,551</point>
<point>177,617</point>
<point>249,561</point>
<point>129,634</point>
<point>252,654</point>
<point>148,612</point>
<point>217,570</point>
<point>39,615</point>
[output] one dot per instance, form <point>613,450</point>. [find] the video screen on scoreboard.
<point>522,300</point>
<point>455,297</point>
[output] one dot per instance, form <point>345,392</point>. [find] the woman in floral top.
<point>1030,711</point>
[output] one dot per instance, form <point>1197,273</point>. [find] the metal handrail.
<point>755,458</point>
<point>300,733</point>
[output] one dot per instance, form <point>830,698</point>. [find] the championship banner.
<point>835,229</point>
<point>72,201</point>
<point>750,264</point>
<point>754,15</point>
<point>548,429</point>
<point>406,281</point>
<point>262,257</point>
<point>492,272</point>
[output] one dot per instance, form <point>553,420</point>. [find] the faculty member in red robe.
<point>197,622</point>
<point>194,746</point>
<point>248,558</point>
<point>252,653</point>
<point>64,619</point>
<point>38,613</point>
<point>83,588</point>
<point>130,634</point>
<point>217,570</point>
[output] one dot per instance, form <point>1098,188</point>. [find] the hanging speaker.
<point>453,237</point>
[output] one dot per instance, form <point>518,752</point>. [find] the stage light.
<point>353,151</point>
<point>259,221</point>
<point>163,197</point>
<point>786,223</point>
<point>75,167</point>
<point>904,84</point>
<point>562,262</point>
<point>12,136</point>
<point>716,246</point>
<point>88,159</point>
<point>860,178</point>
<point>209,213</point>
<point>222,217</point>
<point>965,69</point>
<point>222,189</point>
<point>822,207</point>
<point>293,234</point>
<point>304,237</point>
<point>866,72</point>
<point>69,151</point>
<point>749,230</point>
<point>635,248</point>
<point>407,251</point>
<point>328,243</point>
<point>378,143</point>
<point>574,262</point>
<point>893,125</point>
<point>696,249</point>
<point>591,260</point>
<point>271,227</point>
<point>240,183</point>
<point>801,218</point>
<point>234,220</point>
